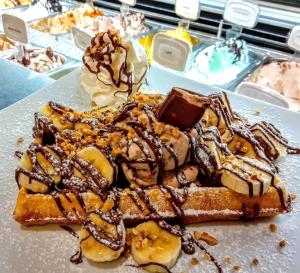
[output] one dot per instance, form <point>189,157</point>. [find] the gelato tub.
<point>63,23</point>
<point>126,23</point>
<point>38,59</point>
<point>222,63</point>
<point>39,10</point>
<point>280,75</point>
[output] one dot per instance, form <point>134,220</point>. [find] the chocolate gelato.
<point>39,60</point>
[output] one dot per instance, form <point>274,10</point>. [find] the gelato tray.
<point>133,24</point>
<point>223,63</point>
<point>42,60</point>
<point>38,11</point>
<point>280,75</point>
<point>63,23</point>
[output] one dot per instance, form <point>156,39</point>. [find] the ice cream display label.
<point>15,28</point>
<point>171,52</point>
<point>241,12</point>
<point>294,38</point>
<point>188,9</point>
<point>128,2</point>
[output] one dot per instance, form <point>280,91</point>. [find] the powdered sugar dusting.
<point>48,249</point>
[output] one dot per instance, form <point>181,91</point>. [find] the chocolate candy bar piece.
<point>182,108</point>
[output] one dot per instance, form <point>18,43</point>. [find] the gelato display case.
<point>214,60</point>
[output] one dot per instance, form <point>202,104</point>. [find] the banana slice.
<point>246,176</point>
<point>273,143</point>
<point>219,114</point>
<point>242,146</point>
<point>24,179</point>
<point>96,158</point>
<point>212,139</point>
<point>108,234</point>
<point>151,244</point>
<point>244,143</point>
<point>281,188</point>
<point>210,118</point>
<point>56,118</point>
<point>47,166</point>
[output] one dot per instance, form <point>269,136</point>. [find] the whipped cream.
<point>114,68</point>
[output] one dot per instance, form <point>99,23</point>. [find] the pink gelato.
<point>282,76</point>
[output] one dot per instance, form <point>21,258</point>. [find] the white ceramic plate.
<point>48,249</point>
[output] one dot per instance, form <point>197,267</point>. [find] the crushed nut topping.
<point>273,227</point>
<point>20,140</point>
<point>204,236</point>
<point>228,260</point>
<point>254,176</point>
<point>197,235</point>
<point>194,261</point>
<point>255,262</point>
<point>282,243</point>
<point>207,257</point>
<point>293,196</point>
<point>236,268</point>
<point>244,149</point>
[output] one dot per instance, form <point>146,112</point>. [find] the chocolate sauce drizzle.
<point>152,263</point>
<point>77,257</point>
<point>19,154</point>
<point>266,128</point>
<point>70,231</point>
<point>102,59</point>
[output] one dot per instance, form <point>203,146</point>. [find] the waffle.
<point>202,205</point>
<point>156,160</point>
